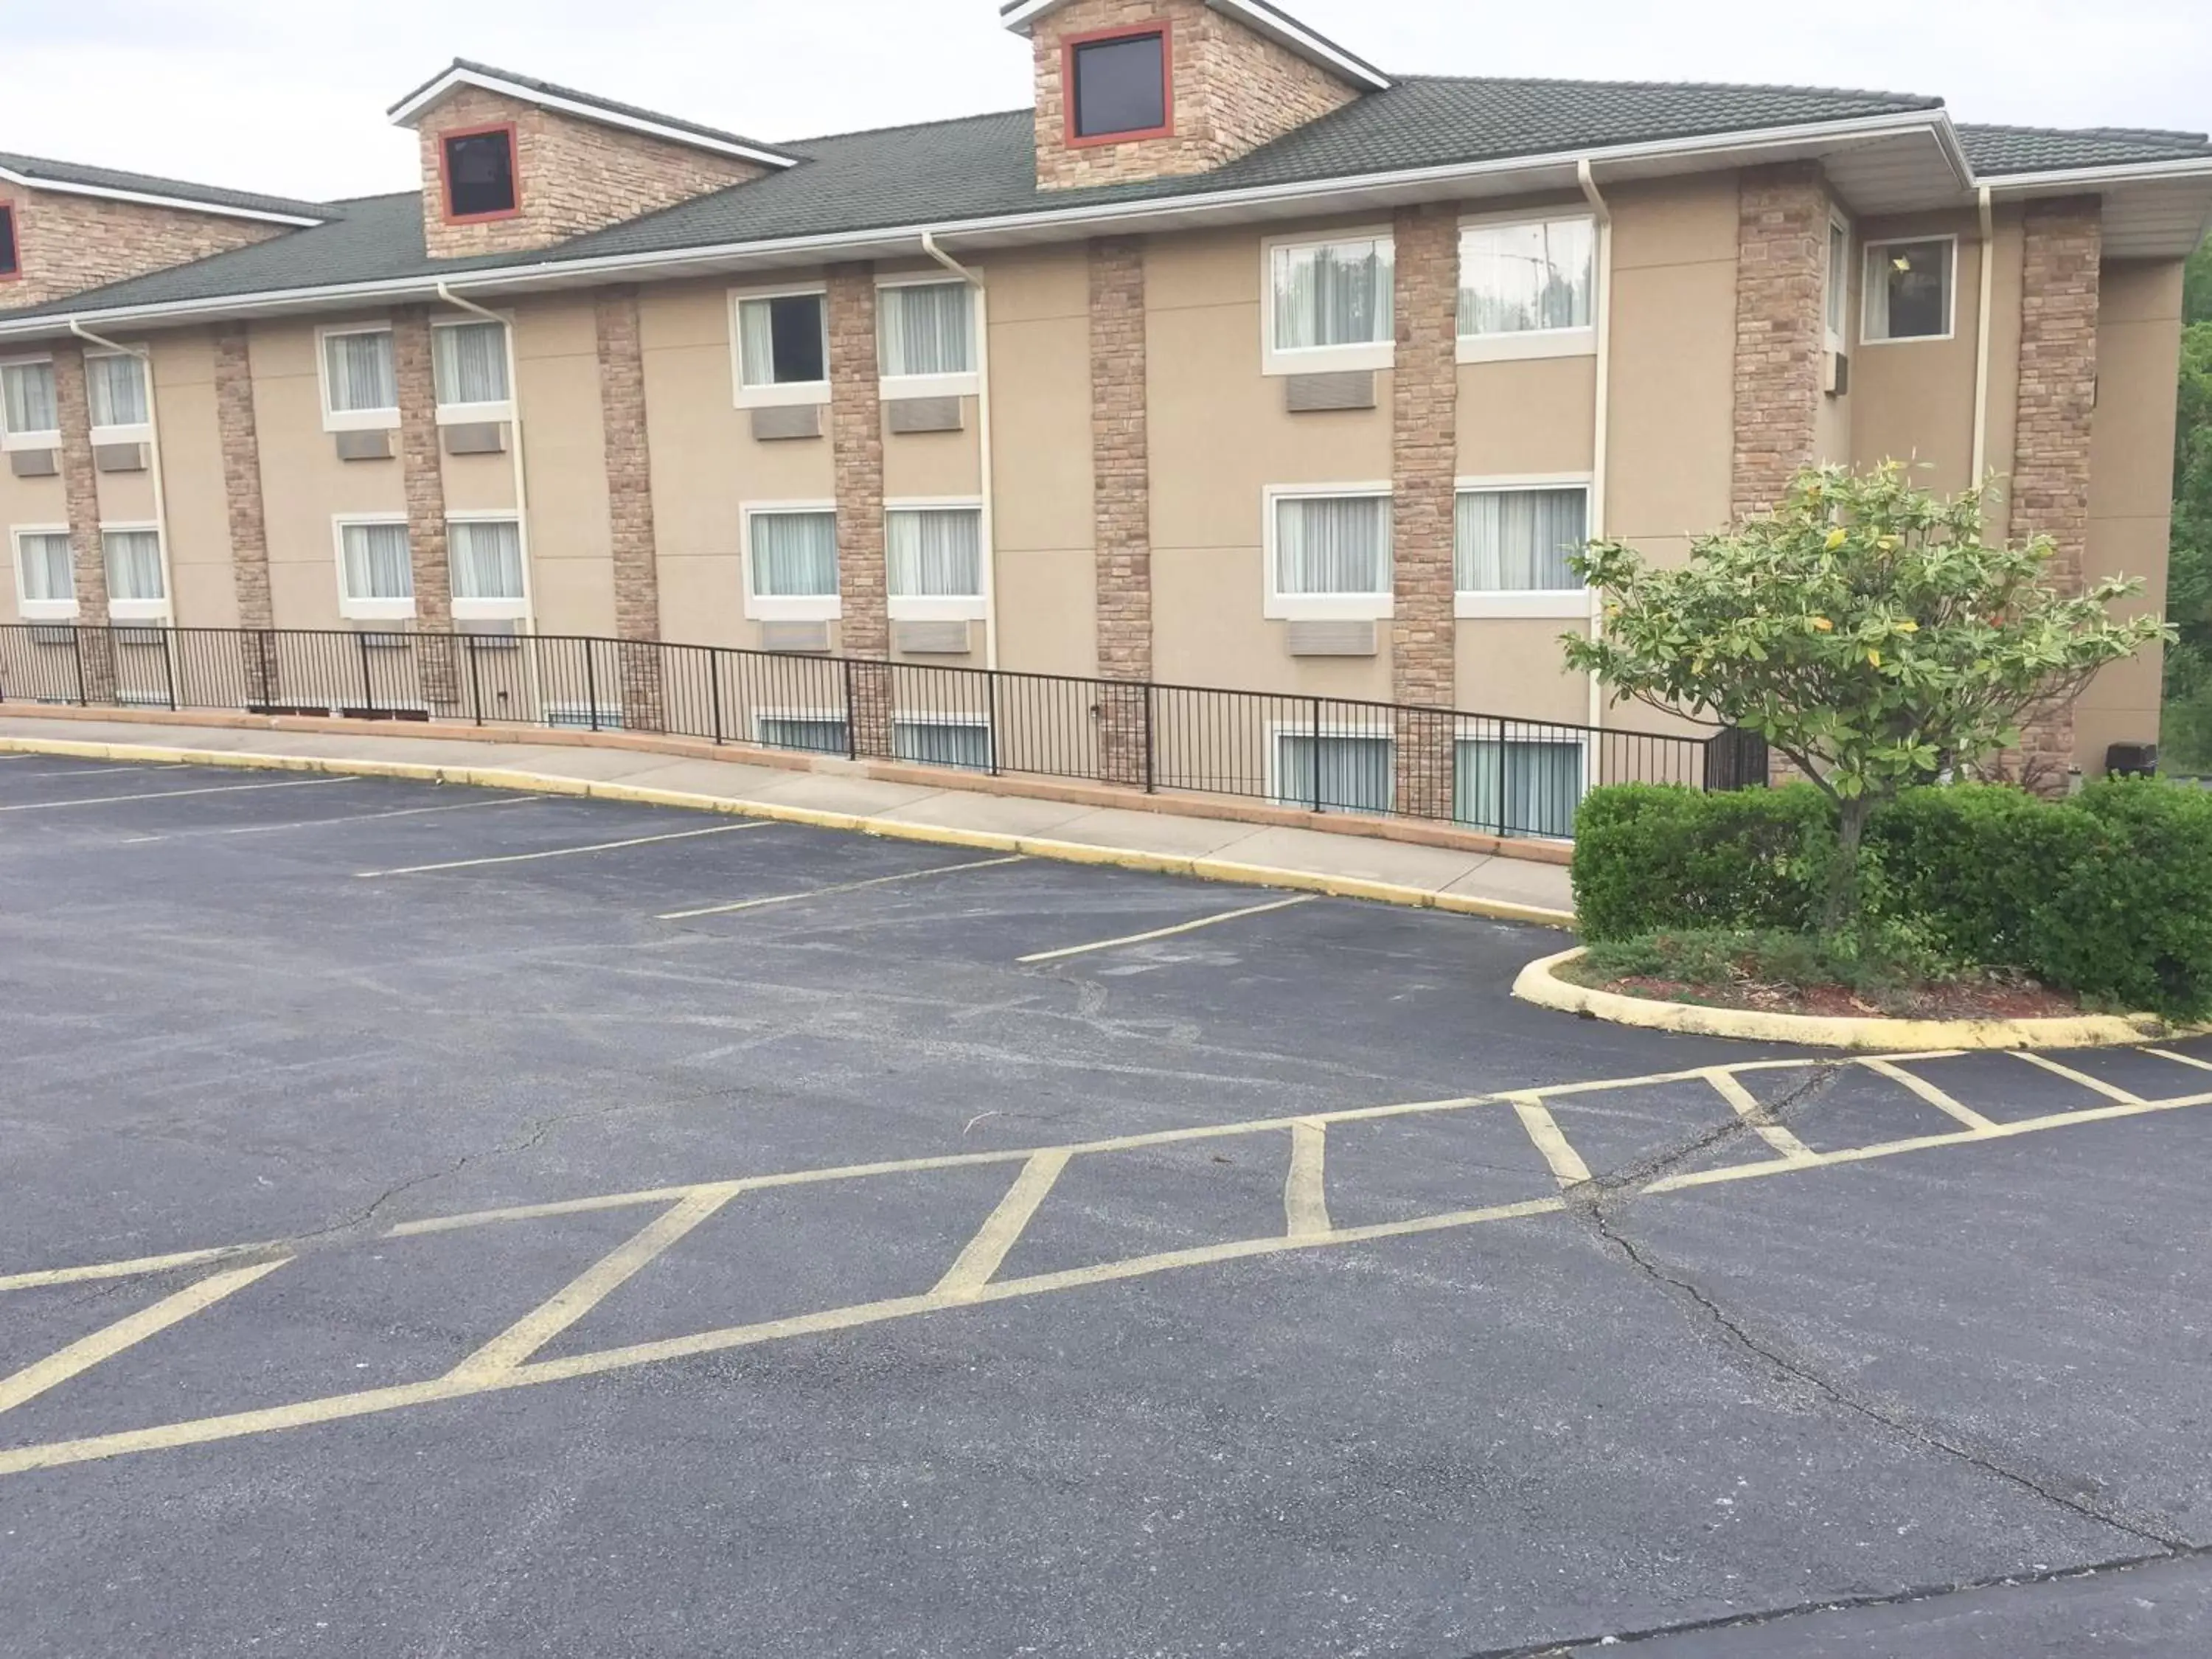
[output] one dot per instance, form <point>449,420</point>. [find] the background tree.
<point>1864,629</point>
<point>2186,731</point>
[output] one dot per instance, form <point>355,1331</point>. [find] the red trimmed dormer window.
<point>1119,85</point>
<point>480,174</point>
<point>12,264</point>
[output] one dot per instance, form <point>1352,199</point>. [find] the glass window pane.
<point>936,552</point>
<point>9,263</point>
<point>48,575</point>
<point>480,173</point>
<point>1519,787</point>
<point>1336,295</point>
<point>376,564</point>
<point>1908,290</point>
<point>27,393</point>
<point>824,735</point>
<point>1512,541</point>
<point>487,556</point>
<point>1354,773</point>
<point>117,386</point>
<point>795,555</point>
<point>1520,279</point>
<point>134,565</point>
<point>360,371</point>
<point>1333,545</point>
<point>470,362</point>
<point>947,743</point>
<point>926,328</point>
<point>1121,86</point>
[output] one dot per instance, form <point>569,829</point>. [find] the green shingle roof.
<point>40,170</point>
<point>1996,151</point>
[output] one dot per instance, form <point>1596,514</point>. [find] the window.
<point>27,418</point>
<point>361,388</point>
<point>821,734</point>
<point>925,329</point>
<point>487,562</point>
<point>936,555</point>
<point>1509,550</point>
<point>117,386</point>
<point>1525,289</point>
<point>1118,87</point>
<point>1840,283</point>
<point>791,563</point>
<point>46,575</point>
<point>1908,290</point>
<point>1336,772</point>
<point>1329,305</point>
<point>469,362</point>
<point>783,349</point>
<point>942,743</point>
<point>1518,785</point>
<point>10,263</point>
<point>1329,553</point>
<point>480,173</point>
<point>376,573</point>
<point>584,716</point>
<point>135,588</point>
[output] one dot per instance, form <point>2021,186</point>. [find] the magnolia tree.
<point>1865,629</point>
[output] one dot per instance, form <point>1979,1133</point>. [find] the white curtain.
<point>1908,290</point>
<point>936,553</point>
<point>360,371</point>
<point>134,565</point>
<point>1333,545</point>
<point>117,389</point>
<point>377,565</point>
<point>27,390</point>
<point>470,361</point>
<point>48,572</point>
<point>756,342</point>
<point>1515,279</point>
<point>1354,773</point>
<point>825,736</point>
<point>1336,295</point>
<point>795,555</point>
<point>1519,787</point>
<point>1516,541</point>
<point>942,742</point>
<point>487,557</point>
<point>926,328</point>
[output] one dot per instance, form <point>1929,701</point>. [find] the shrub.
<point>1973,862</point>
<point>2132,921</point>
<point>1653,856</point>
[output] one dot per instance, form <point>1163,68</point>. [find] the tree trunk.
<point>1842,908</point>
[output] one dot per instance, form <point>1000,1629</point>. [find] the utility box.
<point>2131,760</point>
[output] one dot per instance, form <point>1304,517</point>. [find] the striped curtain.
<point>936,552</point>
<point>926,328</point>
<point>470,362</point>
<point>360,371</point>
<point>487,556</point>
<point>134,565</point>
<point>1517,541</point>
<point>1333,545</point>
<point>795,555</point>
<point>376,563</point>
<point>1339,294</point>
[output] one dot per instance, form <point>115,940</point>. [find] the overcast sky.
<point>288,95</point>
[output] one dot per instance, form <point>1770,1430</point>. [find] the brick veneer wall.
<point>422,469</point>
<point>240,436</point>
<point>66,244</point>
<point>80,498</point>
<point>571,175</point>
<point>1782,244</point>
<point>1233,90</point>
<point>1423,463</point>
<point>856,441</point>
<point>1121,499</point>
<point>629,502</point>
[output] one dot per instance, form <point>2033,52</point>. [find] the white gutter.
<point>1982,339</point>
<point>145,356</point>
<point>1601,398</point>
<point>148,198</point>
<point>514,419</point>
<point>988,472</point>
<point>2124,173</point>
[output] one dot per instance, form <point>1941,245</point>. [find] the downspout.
<point>144,354</point>
<point>974,280</point>
<point>1982,340</point>
<point>514,419</point>
<point>1602,311</point>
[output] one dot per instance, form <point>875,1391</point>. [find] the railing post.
<point>1152,770</point>
<point>169,666</point>
<point>476,684</point>
<point>592,684</point>
<point>367,679</point>
<point>714,686</point>
<point>991,691</point>
<point>1316,754</point>
<point>76,645</point>
<point>264,640</point>
<point>852,721</point>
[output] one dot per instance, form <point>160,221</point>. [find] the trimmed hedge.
<point>2108,894</point>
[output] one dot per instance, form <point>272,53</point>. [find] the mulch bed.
<point>1967,998</point>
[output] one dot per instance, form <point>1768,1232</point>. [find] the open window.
<point>783,343</point>
<point>480,173</point>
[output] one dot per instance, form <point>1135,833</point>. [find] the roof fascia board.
<point>1284,30</point>
<point>1319,193</point>
<point>148,198</point>
<point>403,112</point>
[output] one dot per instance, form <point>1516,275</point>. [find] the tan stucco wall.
<point>24,503</point>
<point>556,371</point>
<point>204,593</point>
<point>1913,400</point>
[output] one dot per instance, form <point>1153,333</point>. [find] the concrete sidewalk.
<point>1211,848</point>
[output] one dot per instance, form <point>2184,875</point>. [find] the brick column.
<point>2063,246</point>
<point>1121,504</point>
<point>422,478</point>
<point>629,506</point>
<point>1424,461</point>
<point>81,499</point>
<point>240,435</point>
<point>1782,249</point>
<point>856,438</point>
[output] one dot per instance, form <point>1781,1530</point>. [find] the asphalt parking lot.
<point>436,1222</point>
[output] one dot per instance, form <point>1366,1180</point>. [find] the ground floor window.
<point>1518,785</point>
<point>584,716</point>
<point>942,743</point>
<point>1338,772</point>
<point>822,734</point>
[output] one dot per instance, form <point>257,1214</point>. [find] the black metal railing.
<point>1510,776</point>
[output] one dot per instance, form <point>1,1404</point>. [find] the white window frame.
<point>1320,607</point>
<point>1531,602</point>
<point>12,440</point>
<point>138,431</point>
<point>481,609</point>
<point>147,610</point>
<point>1836,342</point>
<point>1527,342</point>
<point>467,413</point>
<point>367,610</point>
<point>948,607</point>
<point>356,420</point>
<point>1510,732</point>
<point>1376,731</point>
<point>791,392</point>
<point>1318,359</point>
<point>969,384</point>
<point>971,722</point>
<point>31,610</point>
<point>786,607</point>
<point>1867,337</point>
<point>818,716</point>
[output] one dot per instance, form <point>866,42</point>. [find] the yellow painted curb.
<point>1066,852</point>
<point>1540,983</point>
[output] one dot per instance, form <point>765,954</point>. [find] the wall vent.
<point>476,438</point>
<point>33,463</point>
<point>363,446</point>
<point>783,421</point>
<point>1311,394</point>
<point>1332,638</point>
<point>925,414</point>
<point>931,639</point>
<point>119,458</point>
<point>795,636</point>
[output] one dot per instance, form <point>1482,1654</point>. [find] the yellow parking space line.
<point>562,851</point>
<point>593,1285</point>
<point>1928,1092</point>
<point>173,794</point>
<point>987,1251</point>
<point>838,887</point>
<point>1746,1106</point>
<point>1306,1195</point>
<point>106,1343</point>
<point>2110,1090</point>
<point>1166,932</point>
<point>2186,1060</point>
<point>129,1269</point>
<point>1544,1129</point>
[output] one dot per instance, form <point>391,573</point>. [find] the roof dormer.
<point>510,163</point>
<point>1134,89</point>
